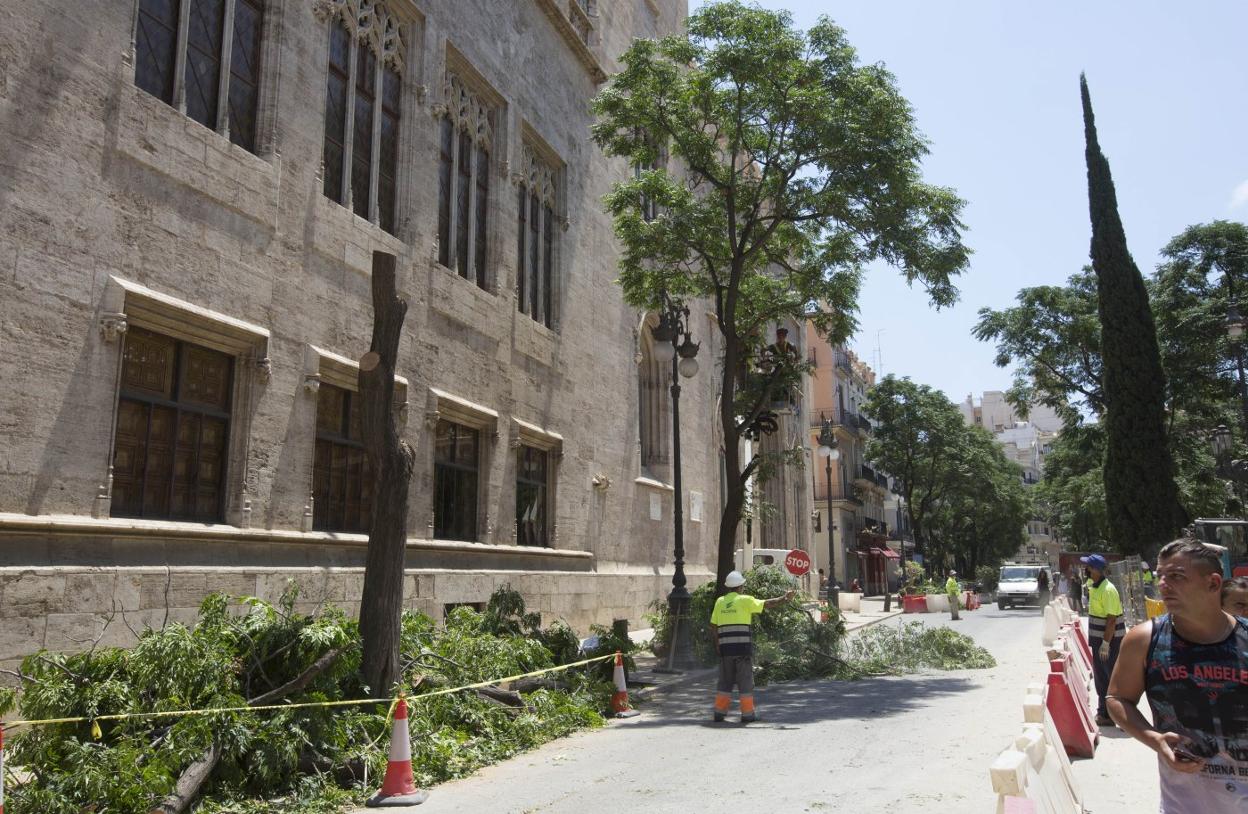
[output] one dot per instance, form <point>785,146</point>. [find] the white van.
<point>762,556</point>
<point>1020,585</point>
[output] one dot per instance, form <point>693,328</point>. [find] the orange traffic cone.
<point>398,788</point>
<point>619,701</point>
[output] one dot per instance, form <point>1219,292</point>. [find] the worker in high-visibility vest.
<point>732,629</point>
<point>953,589</point>
<point>1150,582</point>
<point>1105,630</point>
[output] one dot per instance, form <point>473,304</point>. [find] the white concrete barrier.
<point>1052,625</point>
<point>849,602</point>
<point>937,603</point>
<point>1036,715</point>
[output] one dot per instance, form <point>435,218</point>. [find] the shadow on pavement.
<point>805,702</point>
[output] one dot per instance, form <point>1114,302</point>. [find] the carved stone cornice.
<point>465,110</point>
<point>537,175</point>
<point>371,22</point>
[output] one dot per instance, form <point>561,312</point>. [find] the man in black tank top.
<point>1193,665</point>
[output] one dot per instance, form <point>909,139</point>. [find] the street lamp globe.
<point>688,367</point>
<point>1234,322</point>
<point>664,352</point>
<point>827,443</point>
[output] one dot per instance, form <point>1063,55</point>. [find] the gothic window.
<point>363,91</point>
<point>464,140</point>
<point>532,507</point>
<point>456,465</point>
<point>649,208</point>
<point>210,67</point>
<point>537,247</point>
<point>653,417</point>
<point>173,421</point>
<point>342,482</point>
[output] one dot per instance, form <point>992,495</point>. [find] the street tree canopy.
<point>792,166</point>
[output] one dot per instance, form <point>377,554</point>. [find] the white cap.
<point>734,580</point>
<point>1143,566</point>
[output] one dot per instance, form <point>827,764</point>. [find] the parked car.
<point>1019,585</point>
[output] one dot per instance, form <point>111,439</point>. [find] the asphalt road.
<point>906,744</point>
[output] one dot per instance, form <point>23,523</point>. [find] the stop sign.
<point>798,562</point>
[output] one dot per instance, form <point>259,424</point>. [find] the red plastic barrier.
<point>914,604</point>
<point>1068,704</point>
<point>1082,638</point>
<point>971,600</point>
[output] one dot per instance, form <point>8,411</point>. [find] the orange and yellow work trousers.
<point>738,672</point>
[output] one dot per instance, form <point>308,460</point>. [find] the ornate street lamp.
<point>829,452</point>
<point>673,324</point>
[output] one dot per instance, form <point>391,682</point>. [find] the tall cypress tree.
<point>1140,494</point>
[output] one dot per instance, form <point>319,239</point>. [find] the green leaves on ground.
<point>313,759</point>
<point>910,646</point>
<point>790,645</point>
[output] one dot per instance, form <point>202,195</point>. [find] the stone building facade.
<point>190,195</point>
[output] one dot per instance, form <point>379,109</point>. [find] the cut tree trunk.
<point>390,458</point>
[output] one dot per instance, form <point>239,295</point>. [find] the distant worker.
<point>1191,663</point>
<point>732,628</point>
<point>1235,596</point>
<point>1105,630</point>
<point>953,589</point>
<point>1076,591</point>
<point>1150,583</point>
<point>855,587</point>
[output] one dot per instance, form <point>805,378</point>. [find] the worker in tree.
<point>953,589</point>
<point>732,629</point>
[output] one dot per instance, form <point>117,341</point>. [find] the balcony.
<point>842,361</point>
<point>863,424</point>
<point>841,492</point>
<point>866,473</point>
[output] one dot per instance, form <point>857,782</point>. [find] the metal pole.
<point>680,655</point>
<point>833,595</point>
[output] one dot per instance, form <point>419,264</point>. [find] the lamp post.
<point>829,452</point>
<point>669,347</point>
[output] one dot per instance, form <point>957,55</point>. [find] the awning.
<point>887,553</point>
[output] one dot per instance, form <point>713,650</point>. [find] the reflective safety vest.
<point>1147,576</point>
<point>951,586</point>
<point>732,618</point>
<point>1103,601</point>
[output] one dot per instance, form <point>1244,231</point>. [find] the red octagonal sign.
<point>798,562</point>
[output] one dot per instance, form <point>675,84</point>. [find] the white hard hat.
<point>1143,566</point>
<point>734,580</point>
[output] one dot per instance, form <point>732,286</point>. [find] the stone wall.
<point>117,211</point>
<point>71,609</point>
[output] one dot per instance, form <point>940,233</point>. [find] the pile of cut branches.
<point>790,645</point>
<point>309,759</point>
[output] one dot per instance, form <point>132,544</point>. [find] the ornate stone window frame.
<point>526,434</point>
<point>127,303</point>
<point>474,108</point>
<point>325,366</point>
<point>382,26</point>
<point>266,102</point>
<point>542,174</point>
<point>445,406</point>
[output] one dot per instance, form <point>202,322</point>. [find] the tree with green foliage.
<point>793,167</point>
<point>982,518</point>
<point>1140,492</point>
<point>917,434</point>
<point>1053,334</point>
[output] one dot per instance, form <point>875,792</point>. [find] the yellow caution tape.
<point>121,716</point>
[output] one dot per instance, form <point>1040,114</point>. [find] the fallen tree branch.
<point>187,787</point>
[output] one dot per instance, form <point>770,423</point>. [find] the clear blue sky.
<point>995,87</point>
